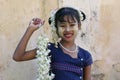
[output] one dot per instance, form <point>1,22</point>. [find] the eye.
<point>72,25</point>
<point>62,26</point>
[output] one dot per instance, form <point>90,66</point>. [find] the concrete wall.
<point>14,19</point>
<point>100,35</point>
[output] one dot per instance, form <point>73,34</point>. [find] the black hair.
<point>73,13</point>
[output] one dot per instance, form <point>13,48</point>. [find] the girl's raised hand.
<point>35,23</point>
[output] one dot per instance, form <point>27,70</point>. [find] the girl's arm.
<point>87,73</point>
<point>20,53</point>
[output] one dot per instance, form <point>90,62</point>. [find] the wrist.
<point>29,29</point>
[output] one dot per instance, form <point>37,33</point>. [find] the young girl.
<point>68,61</point>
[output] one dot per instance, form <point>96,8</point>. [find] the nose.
<point>67,28</point>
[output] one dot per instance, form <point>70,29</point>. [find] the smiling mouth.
<point>68,35</point>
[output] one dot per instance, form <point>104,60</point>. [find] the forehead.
<point>67,18</point>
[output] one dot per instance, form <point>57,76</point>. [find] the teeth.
<point>68,35</point>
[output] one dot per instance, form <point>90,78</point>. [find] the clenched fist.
<point>35,23</point>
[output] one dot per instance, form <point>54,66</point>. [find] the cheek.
<point>75,29</point>
<point>60,31</point>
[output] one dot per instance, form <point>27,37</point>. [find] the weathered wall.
<point>14,18</point>
<point>100,35</point>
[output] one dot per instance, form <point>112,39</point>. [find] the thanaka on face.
<point>68,29</point>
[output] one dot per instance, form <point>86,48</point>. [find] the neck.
<point>68,44</point>
<point>72,48</point>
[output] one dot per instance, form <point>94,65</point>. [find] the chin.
<point>68,39</point>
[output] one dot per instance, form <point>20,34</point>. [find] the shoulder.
<point>84,52</point>
<point>86,56</point>
<point>50,45</point>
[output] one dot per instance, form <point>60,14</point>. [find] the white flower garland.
<point>43,60</point>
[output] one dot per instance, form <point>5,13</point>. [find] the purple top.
<point>67,68</point>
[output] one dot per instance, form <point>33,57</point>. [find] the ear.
<point>79,26</point>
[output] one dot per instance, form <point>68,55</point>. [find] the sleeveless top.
<point>67,68</point>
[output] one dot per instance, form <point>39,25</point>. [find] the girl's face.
<point>68,29</point>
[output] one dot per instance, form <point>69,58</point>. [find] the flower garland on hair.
<point>81,14</point>
<point>43,59</point>
<point>55,37</point>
